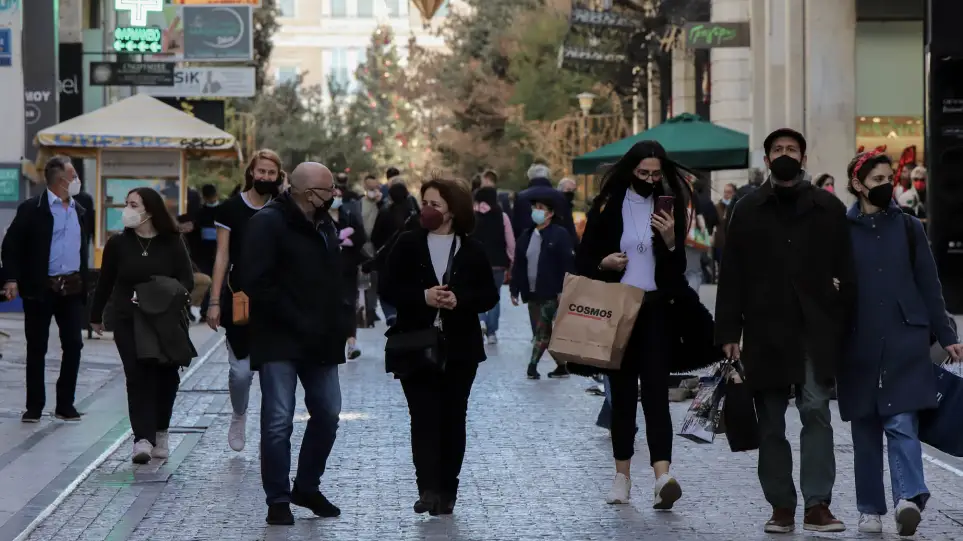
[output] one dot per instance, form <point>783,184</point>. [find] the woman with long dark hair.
<point>262,182</point>
<point>149,246</point>
<point>628,240</point>
<point>439,277</point>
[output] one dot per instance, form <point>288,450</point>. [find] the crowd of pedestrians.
<point>297,263</point>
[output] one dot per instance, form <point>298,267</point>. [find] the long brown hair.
<point>263,154</point>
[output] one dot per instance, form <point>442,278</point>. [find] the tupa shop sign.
<point>715,35</point>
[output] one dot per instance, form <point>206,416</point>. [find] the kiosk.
<point>136,142</point>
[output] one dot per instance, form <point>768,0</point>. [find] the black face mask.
<point>881,195</point>
<point>570,196</point>
<point>785,168</point>
<point>643,188</point>
<point>266,187</point>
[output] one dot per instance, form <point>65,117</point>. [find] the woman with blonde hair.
<point>262,182</point>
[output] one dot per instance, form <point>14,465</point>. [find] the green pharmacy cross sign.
<point>137,39</point>
<point>139,9</point>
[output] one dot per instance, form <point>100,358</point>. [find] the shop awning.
<point>139,122</point>
<point>687,138</point>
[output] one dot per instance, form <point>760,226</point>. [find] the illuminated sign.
<point>139,9</point>
<point>137,39</point>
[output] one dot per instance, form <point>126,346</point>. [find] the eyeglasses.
<point>328,190</point>
<point>646,175</point>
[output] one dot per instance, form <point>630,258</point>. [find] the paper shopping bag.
<point>594,322</point>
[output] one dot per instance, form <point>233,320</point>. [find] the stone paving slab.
<point>536,468</point>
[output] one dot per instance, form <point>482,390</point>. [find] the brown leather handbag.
<point>240,307</point>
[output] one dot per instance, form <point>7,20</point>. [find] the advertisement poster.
<point>209,33</point>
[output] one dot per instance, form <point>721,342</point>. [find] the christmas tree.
<point>381,115</point>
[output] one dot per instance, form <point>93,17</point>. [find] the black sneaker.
<point>279,514</point>
<point>316,502</point>
<point>67,414</point>
<point>533,372</point>
<point>31,416</point>
<point>559,372</point>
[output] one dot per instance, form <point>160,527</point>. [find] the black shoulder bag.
<point>423,349</point>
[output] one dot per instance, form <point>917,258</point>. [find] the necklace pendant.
<point>640,248</point>
<point>144,253</point>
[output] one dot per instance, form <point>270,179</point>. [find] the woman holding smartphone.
<point>635,234</point>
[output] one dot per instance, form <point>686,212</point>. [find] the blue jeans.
<point>390,313</point>
<point>322,396</point>
<point>490,318</point>
<point>905,461</point>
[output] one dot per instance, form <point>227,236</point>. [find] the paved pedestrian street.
<point>536,468</point>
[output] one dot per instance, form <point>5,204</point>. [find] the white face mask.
<point>131,218</point>
<point>74,187</point>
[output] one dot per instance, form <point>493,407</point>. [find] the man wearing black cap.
<point>787,291</point>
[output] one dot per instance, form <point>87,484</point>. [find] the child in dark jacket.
<point>543,255</point>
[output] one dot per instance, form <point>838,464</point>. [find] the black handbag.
<point>422,349</point>
<point>739,413</point>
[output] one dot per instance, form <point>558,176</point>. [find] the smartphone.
<point>664,203</point>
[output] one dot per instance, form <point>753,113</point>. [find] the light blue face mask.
<point>538,216</point>
<point>336,203</point>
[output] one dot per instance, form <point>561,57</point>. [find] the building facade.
<point>321,40</point>
<point>848,73</point>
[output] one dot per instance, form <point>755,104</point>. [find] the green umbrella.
<point>687,138</point>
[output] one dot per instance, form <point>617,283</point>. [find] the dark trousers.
<point>68,311</point>
<point>817,468</point>
<point>646,361</point>
<point>151,387</point>
<point>371,300</point>
<point>438,406</point>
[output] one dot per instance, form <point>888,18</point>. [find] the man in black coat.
<point>291,272</point>
<point>45,262</point>
<point>787,290</point>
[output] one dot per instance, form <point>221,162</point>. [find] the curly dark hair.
<point>458,196</point>
<point>864,169</point>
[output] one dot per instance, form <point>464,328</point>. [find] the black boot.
<point>428,502</point>
<point>448,500</point>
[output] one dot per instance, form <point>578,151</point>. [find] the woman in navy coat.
<point>887,376</point>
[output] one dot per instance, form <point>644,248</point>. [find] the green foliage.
<point>381,115</point>
<point>546,91</point>
<point>265,25</point>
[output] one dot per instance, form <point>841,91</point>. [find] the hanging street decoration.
<point>428,8</point>
<point>139,9</point>
<point>138,39</point>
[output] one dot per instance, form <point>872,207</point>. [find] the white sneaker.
<point>142,450</point>
<point>235,434</point>
<point>621,487</point>
<point>908,517</point>
<point>870,523</point>
<point>162,447</point>
<point>492,339</point>
<point>667,492</point>
<point>484,329</point>
<point>352,352</point>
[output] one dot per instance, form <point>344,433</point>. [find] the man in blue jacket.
<point>543,254</point>
<point>540,188</point>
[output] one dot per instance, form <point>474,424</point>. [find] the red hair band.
<point>862,161</point>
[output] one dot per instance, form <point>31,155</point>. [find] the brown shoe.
<point>782,521</point>
<point>820,519</point>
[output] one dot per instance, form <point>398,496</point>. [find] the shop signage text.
<point>142,39</point>
<point>131,73</point>
<point>6,47</point>
<point>139,9</point>
<point>9,182</point>
<point>714,35</point>
<point>235,82</point>
<point>219,33</point>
